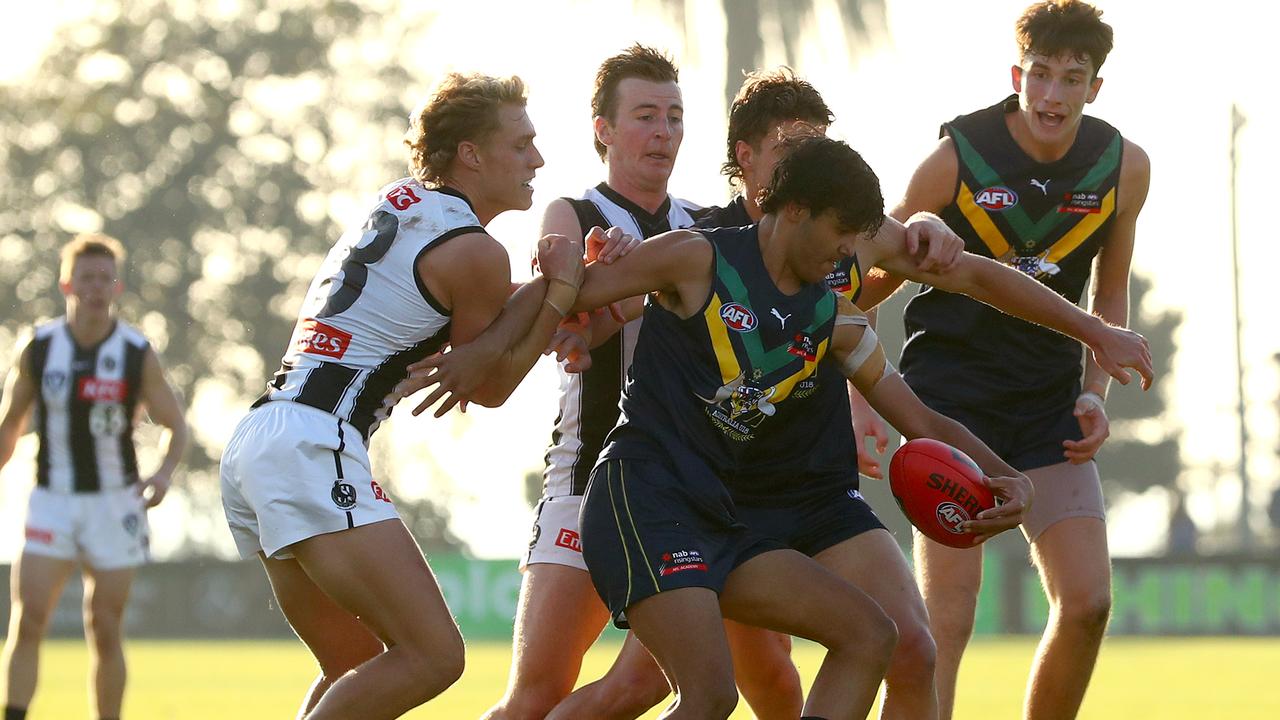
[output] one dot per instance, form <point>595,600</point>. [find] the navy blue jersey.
<point>729,377</point>
<point>1044,219</point>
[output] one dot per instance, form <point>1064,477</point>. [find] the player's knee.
<point>715,699</point>
<point>772,680</point>
<point>529,703</point>
<point>916,653</point>
<point>29,624</point>
<point>1089,612</point>
<point>436,668</point>
<point>636,692</point>
<point>104,627</point>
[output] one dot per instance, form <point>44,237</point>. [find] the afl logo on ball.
<point>995,198</point>
<point>343,494</point>
<point>950,515</point>
<point>738,318</point>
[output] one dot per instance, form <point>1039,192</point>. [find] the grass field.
<point>1170,679</point>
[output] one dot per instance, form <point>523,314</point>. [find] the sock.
<point>14,713</point>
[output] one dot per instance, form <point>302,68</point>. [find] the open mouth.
<point>1051,120</point>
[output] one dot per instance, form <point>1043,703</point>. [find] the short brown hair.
<point>1065,27</point>
<point>462,108</point>
<point>91,244</point>
<point>766,98</point>
<point>636,61</point>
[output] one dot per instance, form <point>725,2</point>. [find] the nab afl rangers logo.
<point>343,494</point>
<point>997,198</point>
<point>738,318</point>
<point>950,515</point>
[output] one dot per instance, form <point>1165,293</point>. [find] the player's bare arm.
<point>161,404</point>
<point>675,266</point>
<point>15,404</point>
<point>1018,294</point>
<point>471,276</point>
<point>1109,300</point>
<point>861,358</point>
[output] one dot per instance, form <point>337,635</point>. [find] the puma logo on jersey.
<point>318,338</point>
<point>782,319</point>
<point>1044,186</point>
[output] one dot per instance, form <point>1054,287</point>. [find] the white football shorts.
<point>105,529</point>
<point>292,472</point>
<point>555,533</point>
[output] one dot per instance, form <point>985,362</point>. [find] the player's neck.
<point>649,198</point>
<point>484,211</point>
<point>89,327</point>
<point>773,253</point>
<point>749,194</point>
<point>1041,152</point>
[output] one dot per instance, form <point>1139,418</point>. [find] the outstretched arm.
<point>855,347</point>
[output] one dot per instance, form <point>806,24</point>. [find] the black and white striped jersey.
<point>84,409</point>
<point>367,315</point>
<point>589,400</point>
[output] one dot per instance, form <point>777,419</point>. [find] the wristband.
<point>1094,399</point>
<point>560,295</point>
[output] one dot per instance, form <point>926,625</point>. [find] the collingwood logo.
<point>343,494</point>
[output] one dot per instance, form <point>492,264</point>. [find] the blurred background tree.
<point>225,145</point>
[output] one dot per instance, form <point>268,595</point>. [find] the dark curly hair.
<point>820,174</point>
<point>766,98</point>
<point>1065,27</point>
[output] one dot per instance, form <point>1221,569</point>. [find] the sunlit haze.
<point>1169,86</point>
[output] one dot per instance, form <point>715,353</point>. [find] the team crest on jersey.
<point>680,561</point>
<point>1037,266</point>
<point>108,363</point>
<point>738,317</point>
<point>343,495</point>
<point>997,198</point>
<point>131,523</point>
<point>737,407</point>
<point>53,381</point>
<point>950,515</point>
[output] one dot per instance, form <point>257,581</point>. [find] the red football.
<point>938,487</point>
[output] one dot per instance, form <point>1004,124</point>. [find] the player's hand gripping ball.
<point>938,487</point>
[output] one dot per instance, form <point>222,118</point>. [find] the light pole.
<point>1246,534</point>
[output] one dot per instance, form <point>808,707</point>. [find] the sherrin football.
<point>938,487</point>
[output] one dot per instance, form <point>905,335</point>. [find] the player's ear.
<point>1015,76</point>
<point>469,155</point>
<point>604,131</point>
<point>745,155</point>
<point>1094,87</point>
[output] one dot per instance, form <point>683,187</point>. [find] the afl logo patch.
<point>738,318</point>
<point>996,198</point>
<point>343,494</point>
<point>950,515</point>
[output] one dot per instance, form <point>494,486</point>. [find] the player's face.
<point>509,160</point>
<point>759,160</point>
<point>94,283</point>
<point>1052,93</point>
<point>644,137</point>
<point>825,242</point>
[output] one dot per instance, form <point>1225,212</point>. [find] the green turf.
<point>1170,679</point>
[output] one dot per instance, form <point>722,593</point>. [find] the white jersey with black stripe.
<point>367,314</point>
<point>589,400</point>
<point>85,407</point>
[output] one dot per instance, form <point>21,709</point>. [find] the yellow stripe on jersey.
<point>1082,230</point>
<point>783,389</point>
<point>977,217</point>
<point>617,522</point>
<point>720,343</point>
